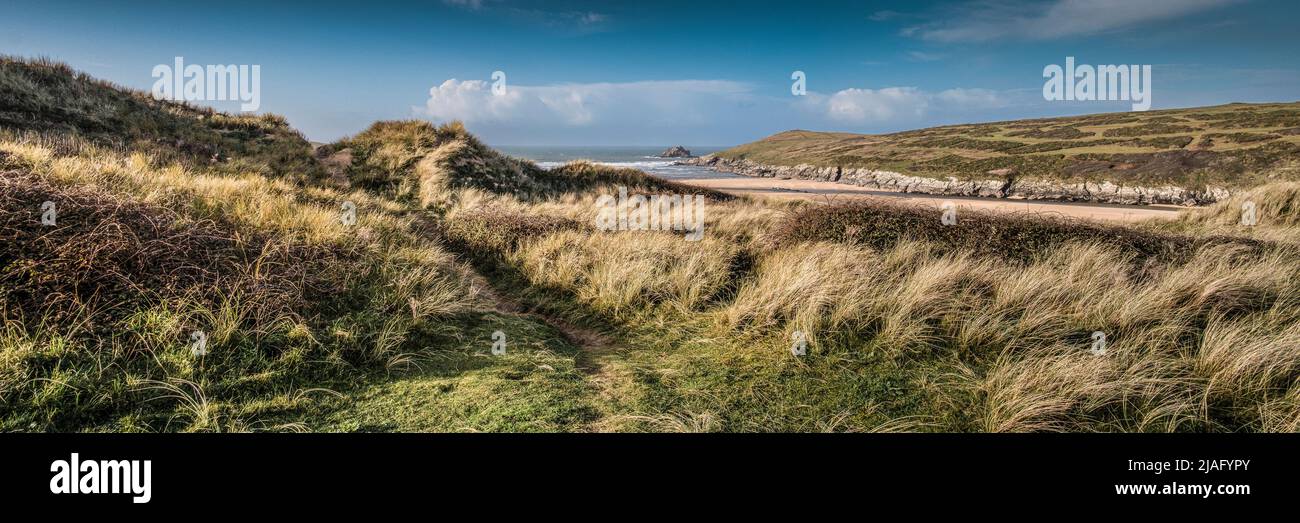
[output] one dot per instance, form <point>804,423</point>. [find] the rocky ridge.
<point>1001,183</point>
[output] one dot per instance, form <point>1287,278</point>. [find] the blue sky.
<point>656,73</point>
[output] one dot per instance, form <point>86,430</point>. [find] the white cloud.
<point>877,105</point>
<point>468,4</point>
<point>972,99</point>
<point>884,16</point>
<point>592,18</point>
<point>900,105</point>
<point>470,100</point>
<point>922,56</point>
<point>694,111</point>
<point>1006,19</point>
<point>578,105</point>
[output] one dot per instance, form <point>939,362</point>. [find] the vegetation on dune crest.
<point>49,98</point>
<point>416,161</point>
<point>297,308</point>
<point>386,324</point>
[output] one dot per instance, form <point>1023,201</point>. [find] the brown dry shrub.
<point>106,253</point>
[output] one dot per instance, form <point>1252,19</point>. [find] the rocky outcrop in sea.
<point>1001,183</point>
<point>676,151</point>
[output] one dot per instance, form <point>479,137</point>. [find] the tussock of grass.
<point>493,232</point>
<point>619,272</point>
<point>1277,213</point>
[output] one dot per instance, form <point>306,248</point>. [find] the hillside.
<point>1190,156</point>
<point>39,97</point>
<point>176,293</point>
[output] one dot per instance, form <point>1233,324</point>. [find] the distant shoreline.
<point>1015,189</point>
<point>832,192</point>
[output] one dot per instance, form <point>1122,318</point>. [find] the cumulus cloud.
<point>1009,19</point>
<point>578,104</point>
<point>900,105</point>
<point>694,111</point>
<point>470,100</point>
<point>877,105</point>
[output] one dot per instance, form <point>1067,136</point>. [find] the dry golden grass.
<point>1199,336</point>
<point>619,272</point>
<point>1202,345</point>
<point>1277,209</point>
<point>1205,341</point>
<point>278,304</point>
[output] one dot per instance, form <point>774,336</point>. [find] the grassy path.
<point>599,356</point>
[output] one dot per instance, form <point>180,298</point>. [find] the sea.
<point>645,158</point>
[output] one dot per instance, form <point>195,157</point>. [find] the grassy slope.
<point>41,97</point>
<point>1235,145</point>
<point>303,313</point>
<point>910,326</point>
<point>922,332</point>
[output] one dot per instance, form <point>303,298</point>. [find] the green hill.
<point>49,98</point>
<point>1231,146</point>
